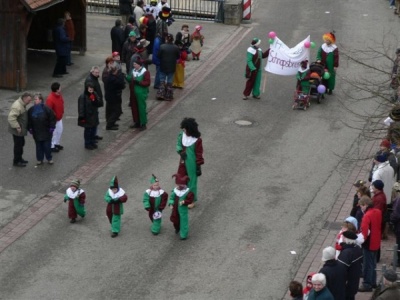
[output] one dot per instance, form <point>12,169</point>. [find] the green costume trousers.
<point>116,223</point>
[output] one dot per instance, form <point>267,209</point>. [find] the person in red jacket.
<point>56,102</point>
<point>379,201</point>
<point>372,233</point>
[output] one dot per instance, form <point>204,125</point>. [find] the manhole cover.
<point>243,123</point>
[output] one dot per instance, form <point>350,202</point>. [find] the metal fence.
<point>211,10</point>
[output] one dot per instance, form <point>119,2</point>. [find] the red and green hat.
<point>114,183</point>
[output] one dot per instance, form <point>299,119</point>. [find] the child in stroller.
<point>316,74</point>
<point>302,94</point>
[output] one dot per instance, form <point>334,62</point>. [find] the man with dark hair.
<point>62,45</point>
<point>296,290</point>
<point>18,126</point>
<point>371,230</point>
<point>117,37</point>
<point>56,102</point>
<point>125,10</point>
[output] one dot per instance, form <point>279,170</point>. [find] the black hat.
<point>390,275</point>
<point>395,113</point>
<point>349,235</point>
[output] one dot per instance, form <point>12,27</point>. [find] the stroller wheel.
<point>305,107</point>
<point>319,98</point>
<point>294,106</point>
<point>308,104</point>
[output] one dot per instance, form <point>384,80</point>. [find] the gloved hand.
<point>51,130</point>
<point>183,155</point>
<point>30,130</point>
<point>198,170</point>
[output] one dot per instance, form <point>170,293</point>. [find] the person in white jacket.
<point>383,171</point>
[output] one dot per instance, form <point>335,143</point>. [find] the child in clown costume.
<point>139,79</point>
<point>303,77</point>
<point>76,197</point>
<point>154,201</point>
<point>115,197</point>
<point>190,148</point>
<point>328,55</point>
<point>180,198</point>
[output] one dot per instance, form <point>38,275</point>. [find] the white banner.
<point>283,60</point>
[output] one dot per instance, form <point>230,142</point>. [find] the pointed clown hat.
<point>114,183</point>
<point>153,179</point>
<point>181,180</point>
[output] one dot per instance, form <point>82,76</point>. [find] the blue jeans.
<point>43,148</point>
<point>89,134</point>
<point>167,77</point>
<point>369,264</point>
<point>157,78</point>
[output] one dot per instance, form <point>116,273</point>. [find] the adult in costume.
<point>179,75</point>
<point>76,197</point>
<point>253,69</point>
<point>115,197</point>
<point>139,79</point>
<point>154,201</point>
<point>190,148</point>
<point>181,197</point>
<point>328,55</point>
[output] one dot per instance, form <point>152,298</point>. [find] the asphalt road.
<point>266,189</point>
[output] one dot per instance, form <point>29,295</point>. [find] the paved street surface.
<point>267,189</point>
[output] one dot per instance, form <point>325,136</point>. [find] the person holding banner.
<point>253,69</point>
<point>328,55</point>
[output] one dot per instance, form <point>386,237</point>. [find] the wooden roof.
<point>35,5</point>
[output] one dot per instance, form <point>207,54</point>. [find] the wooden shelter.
<point>28,24</point>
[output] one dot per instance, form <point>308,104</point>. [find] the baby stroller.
<point>316,74</point>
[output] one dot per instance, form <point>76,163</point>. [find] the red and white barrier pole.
<point>246,9</point>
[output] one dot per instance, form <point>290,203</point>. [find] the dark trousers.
<point>61,65</point>
<point>113,112</point>
<point>369,264</point>
<point>134,110</point>
<point>19,143</point>
<point>89,134</point>
<point>43,148</point>
<point>398,246</point>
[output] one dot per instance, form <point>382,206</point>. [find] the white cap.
<point>328,253</point>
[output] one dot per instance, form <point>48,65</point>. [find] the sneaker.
<point>97,137</point>
<point>51,162</point>
<point>24,161</point>
<point>114,234</point>
<point>59,147</point>
<point>39,163</point>
<point>89,147</point>
<point>256,97</point>
<point>245,98</point>
<point>19,164</point>
<point>135,125</point>
<point>72,221</point>
<point>112,127</point>
<point>95,146</point>
<point>143,127</point>
<point>55,149</point>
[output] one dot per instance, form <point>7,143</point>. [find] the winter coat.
<point>351,257</point>
<point>96,85</point>
<point>395,215</point>
<point>125,7</point>
<point>335,274</point>
<point>379,201</point>
<point>371,229</point>
<point>70,29</point>
<point>113,86</point>
<point>88,113</point>
<point>389,293</point>
<point>323,294</point>
<point>62,43</point>
<point>168,55</point>
<point>117,39</point>
<point>385,173</point>
<point>41,124</point>
<point>156,48</point>
<point>18,117</point>
<point>56,103</point>
<point>128,49</point>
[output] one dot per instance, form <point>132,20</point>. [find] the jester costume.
<point>328,54</point>
<point>139,91</point>
<point>303,78</point>
<point>154,201</point>
<point>191,151</point>
<point>76,201</point>
<point>115,197</point>
<point>253,69</point>
<point>180,198</point>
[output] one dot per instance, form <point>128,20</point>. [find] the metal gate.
<point>209,10</point>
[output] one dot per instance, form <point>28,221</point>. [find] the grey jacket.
<point>18,117</point>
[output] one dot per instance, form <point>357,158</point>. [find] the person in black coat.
<point>113,86</point>
<point>334,272</point>
<point>125,10</point>
<point>117,37</point>
<point>88,115</point>
<point>41,124</point>
<point>351,256</point>
<point>168,55</point>
<point>62,45</point>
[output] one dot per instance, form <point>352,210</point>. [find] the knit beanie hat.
<point>349,235</point>
<point>390,275</point>
<point>328,253</point>
<point>385,143</point>
<point>76,183</point>
<point>378,184</point>
<point>256,42</point>
<point>382,157</point>
<point>353,221</point>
